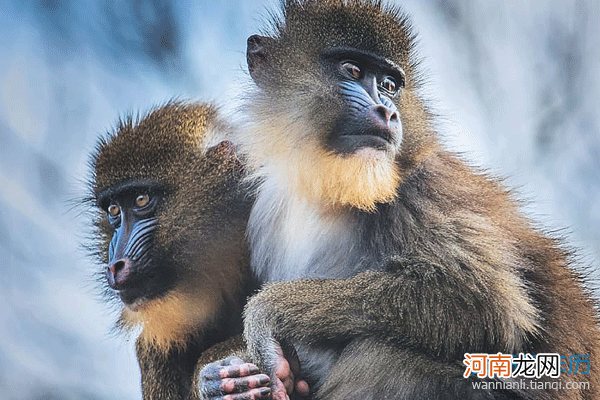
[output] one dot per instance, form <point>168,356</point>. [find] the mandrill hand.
<point>234,379</point>
<point>286,380</point>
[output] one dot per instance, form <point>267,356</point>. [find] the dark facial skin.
<point>369,85</point>
<point>135,270</point>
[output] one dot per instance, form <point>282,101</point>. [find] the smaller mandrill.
<point>170,234</point>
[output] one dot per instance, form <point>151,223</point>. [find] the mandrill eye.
<point>389,85</point>
<point>142,200</point>
<point>352,69</point>
<point>114,210</point>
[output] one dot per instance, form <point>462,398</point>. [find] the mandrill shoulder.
<point>465,221</point>
<point>444,193</point>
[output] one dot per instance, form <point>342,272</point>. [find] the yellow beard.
<point>169,321</point>
<point>360,180</point>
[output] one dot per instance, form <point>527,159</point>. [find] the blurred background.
<point>516,84</point>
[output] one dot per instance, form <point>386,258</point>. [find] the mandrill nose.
<point>118,273</point>
<point>386,114</point>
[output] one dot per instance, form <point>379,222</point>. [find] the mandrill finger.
<point>229,390</point>
<point>217,371</point>
<point>280,391</point>
<point>240,385</point>
<point>302,388</point>
<point>236,371</point>
<point>255,394</point>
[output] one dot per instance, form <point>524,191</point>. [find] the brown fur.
<point>200,236</point>
<point>447,266</point>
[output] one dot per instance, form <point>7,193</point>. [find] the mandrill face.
<point>339,111</point>
<point>135,270</point>
<point>368,87</point>
<point>336,88</point>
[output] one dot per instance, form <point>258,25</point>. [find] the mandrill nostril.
<point>385,113</point>
<point>116,267</point>
<point>118,273</point>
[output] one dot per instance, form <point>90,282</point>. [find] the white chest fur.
<point>291,238</point>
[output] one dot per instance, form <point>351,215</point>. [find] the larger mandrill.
<point>392,258</point>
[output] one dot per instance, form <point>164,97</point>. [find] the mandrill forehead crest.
<point>370,26</point>
<point>168,134</point>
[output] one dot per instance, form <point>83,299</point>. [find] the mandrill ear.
<point>257,56</point>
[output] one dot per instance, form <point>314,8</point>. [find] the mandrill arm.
<point>416,304</point>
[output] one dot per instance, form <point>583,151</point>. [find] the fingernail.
<point>265,391</point>
<point>264,380</point>
<point>253,369</point>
